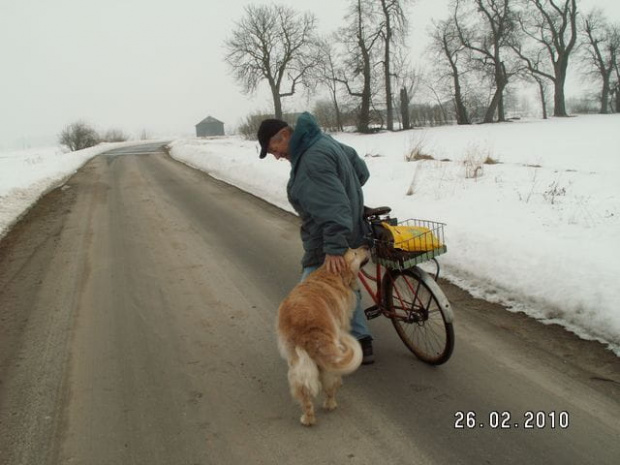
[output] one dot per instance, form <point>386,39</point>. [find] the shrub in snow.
<point>78,136</point>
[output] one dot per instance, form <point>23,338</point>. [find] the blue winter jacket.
<point>325,189</point>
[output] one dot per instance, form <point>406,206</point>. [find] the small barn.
<point>209,127</point>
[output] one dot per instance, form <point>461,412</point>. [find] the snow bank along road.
<point>137,308</point>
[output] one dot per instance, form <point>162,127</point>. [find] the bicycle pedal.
<point>372,312</point>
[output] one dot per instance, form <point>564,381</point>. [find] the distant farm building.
<point>209,127</point>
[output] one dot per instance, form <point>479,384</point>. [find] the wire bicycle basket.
<point>404,244</point>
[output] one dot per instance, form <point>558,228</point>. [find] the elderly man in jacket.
<point>325,189</point>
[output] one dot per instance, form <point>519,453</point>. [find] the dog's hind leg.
<point>303,377</point>
<point>304,396</point>
<point>331,383</point>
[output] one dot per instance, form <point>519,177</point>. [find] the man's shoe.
<point>368,357</point>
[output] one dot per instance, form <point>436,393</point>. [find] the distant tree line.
<point>365,74</point>
<point>80,135</point>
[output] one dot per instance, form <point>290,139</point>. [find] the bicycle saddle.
<point>369,212</point>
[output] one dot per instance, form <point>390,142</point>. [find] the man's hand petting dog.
<point>335,263</point>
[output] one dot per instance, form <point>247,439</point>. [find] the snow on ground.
<point>539,231</point>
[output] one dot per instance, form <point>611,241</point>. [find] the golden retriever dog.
<point>313,327</point>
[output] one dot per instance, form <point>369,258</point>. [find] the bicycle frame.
<point>367,279</point>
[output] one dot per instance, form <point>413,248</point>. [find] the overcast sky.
<point>138,65</point>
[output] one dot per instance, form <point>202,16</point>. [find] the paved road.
<point>137,308</point>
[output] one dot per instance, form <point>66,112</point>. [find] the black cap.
<point>268,128</point>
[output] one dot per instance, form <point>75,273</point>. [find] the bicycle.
<point>405,293</point>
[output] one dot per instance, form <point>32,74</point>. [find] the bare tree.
<point>542,93</point>
<point>525,73</point>
<point>487,36</point>
<point>114,135</point>
<point>328,73</point>
<point>551,25</point>
<point>393,32</point>
<point>78,136</point>
<point>615,89</point>
<point>361,37</point>
<point>407,80</point>
<point>602,51</point>
<point>273,43</point>
<point>446,43</point>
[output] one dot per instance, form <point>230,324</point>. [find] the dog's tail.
<point>304,372</point>
<point>341,356</point>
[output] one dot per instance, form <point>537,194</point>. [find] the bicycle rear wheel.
<point>420,313</point>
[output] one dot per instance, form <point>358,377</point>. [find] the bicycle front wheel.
<point>420,313</point>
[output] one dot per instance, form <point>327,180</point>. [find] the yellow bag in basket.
<point>413,238</point>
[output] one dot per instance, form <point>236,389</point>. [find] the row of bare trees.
<point>602,56</point>
<point>279,45</point>
<point>478,51</point>
<point>80,135</point>
<point>498,41</point>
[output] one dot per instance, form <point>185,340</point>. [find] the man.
<point>325,189</point>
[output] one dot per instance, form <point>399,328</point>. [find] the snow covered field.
<point>538,231</point>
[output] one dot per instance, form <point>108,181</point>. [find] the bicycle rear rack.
<point>425,242</point>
